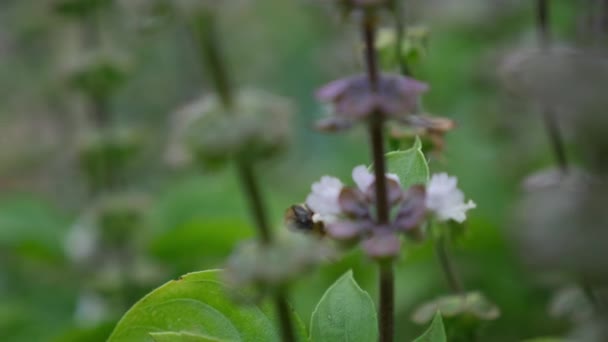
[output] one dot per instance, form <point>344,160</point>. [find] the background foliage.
<point>192,219</point>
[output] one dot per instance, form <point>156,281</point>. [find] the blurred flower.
<point>354,99</point>
<point>99,73</point>
<point>471,306</point>
<point>446,200</point>
<point>81,241</point>
<point>271,266</point>
<point>91,308</point>
<point>257,127</point>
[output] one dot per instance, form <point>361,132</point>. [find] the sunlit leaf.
<point>410,165</point>
<point>344,313</point>
<point>182,337</point>
<point>198,304</point>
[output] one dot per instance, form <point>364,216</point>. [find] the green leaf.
<point>181,337</point>
<point>410,165</point>
<point>344,313</point>
<point>435,333</point>
<point>199,305</point>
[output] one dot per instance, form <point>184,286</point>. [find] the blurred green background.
<point>60,282</point>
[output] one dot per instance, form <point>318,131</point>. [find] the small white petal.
<point>446,200</point>
<point>323,200</point>
<point>363,178</point>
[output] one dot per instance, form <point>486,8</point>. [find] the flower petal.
<point>323,200</point>
<point>412,211</point>
<point>348,230</point>
<point>352,202</point>
<point>362,177</point>
<point>446,200</point>
<point>382,244</point>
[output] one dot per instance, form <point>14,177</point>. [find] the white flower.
<point>446,200</point>
<point>363,178</point>
<point>323,200</point>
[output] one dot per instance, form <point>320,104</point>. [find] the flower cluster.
<point>347,212</point>
<point>355,98</point>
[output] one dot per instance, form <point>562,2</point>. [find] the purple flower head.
<point>348,213</point>
<point>354,98</point>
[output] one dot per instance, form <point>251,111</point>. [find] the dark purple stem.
<point>376,129</point>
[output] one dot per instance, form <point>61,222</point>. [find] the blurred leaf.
<point>472,304</point>
<point>435,333</point>
<point>198,304</point>
<point>344,313</point>
<point>33,226</point>
<point>181,337</point>
<point>79,8</point>
<point>199,240</point>
<point>98,332</point>
<point>545,339</point>
<point>410,165</point>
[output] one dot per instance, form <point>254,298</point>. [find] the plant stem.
<point>446,265</point>
<point>544,31</point>
<point>543,13</point>
<point>254,197</point>
<point>400,35</point>
<point>204,31</point>
<point>555,137</point>
<point>284,313</point>
<point>387,302</point>
<point>376,130</point>
<point>542,17</point>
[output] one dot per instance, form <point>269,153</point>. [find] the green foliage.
<point>106,157</point>
<point>410,165</point>
<point>181,337</point>
<point>414,47</point>
<point>32,226</point>
<point>98,332</point>
<point>77,8</point>
<point>344,313</point>
<point>99,74</point>
<point>196,307</point>
<point>435,333</point>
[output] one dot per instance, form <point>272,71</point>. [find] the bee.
<point>299,218</point>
